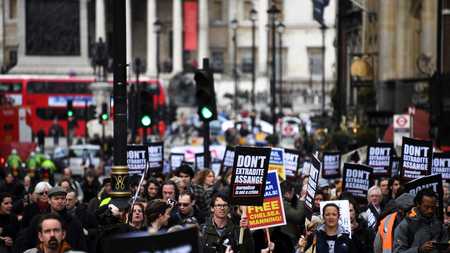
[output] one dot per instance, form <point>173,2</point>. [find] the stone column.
<point>177,44</point>
<point>129,57</point>
<point>203,24</point>
<point>387,53</point>
<point>100,30</point>
<point>151,38</point>
<point>2,33</point>
<point>84,50</point>
<point>428,34</point>
<point>262,36</point>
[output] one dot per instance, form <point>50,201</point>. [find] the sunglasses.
<point>43,193</point>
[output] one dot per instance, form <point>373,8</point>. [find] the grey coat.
<point>415,229</point>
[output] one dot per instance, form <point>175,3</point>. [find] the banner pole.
<point>242,230</point>
<point>268,238</point>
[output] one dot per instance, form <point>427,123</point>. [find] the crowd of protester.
<point>40,212</point>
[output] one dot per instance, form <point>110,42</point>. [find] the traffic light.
<point>205,95</point>
<point>145,118</point>
<point>104,116</point>
<point>69,109</point>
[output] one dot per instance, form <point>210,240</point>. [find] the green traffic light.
<point>69,113</point>
<point>104,116</point>
<point>146,120</point>
<point>206,113</point>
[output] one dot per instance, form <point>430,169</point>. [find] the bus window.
<point>58,87</point>
<point>60,113</point>
<point>10,87</point>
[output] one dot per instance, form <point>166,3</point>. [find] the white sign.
<point>402,128</point>
<point>344,214</point>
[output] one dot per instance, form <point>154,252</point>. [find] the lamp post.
<point>323,29</point>
<point>273,11</point>
<point>157,28</point>
<point>253,15</point>
<point>280,30</point>
<point>234,26</point>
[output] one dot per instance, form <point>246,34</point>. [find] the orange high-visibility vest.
<point>386,231</point>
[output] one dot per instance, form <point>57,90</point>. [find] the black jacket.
<point>343,244</point>
<point>362,238</point>
<point>212,241</point>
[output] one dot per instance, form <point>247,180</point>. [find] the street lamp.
<point>157,28</point>
<point>253,16</point>
<point>273,11</point>
<point>280,30</point>
<point>234,26</point>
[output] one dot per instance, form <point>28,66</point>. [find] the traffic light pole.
<point>206,140</point>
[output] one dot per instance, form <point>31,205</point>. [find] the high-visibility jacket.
<point>386,232</point>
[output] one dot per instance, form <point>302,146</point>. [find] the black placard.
<point>434,182</point>
<point>248,180</point>
<point>200,161</point>
<point>291,162</point>
<point>137,158</point>
<point>416,158</point>
<point>184,240</point>
<point>394,167</point>
<point>441,165</point>
<point>357,179</point>
<point>228,160</point>
<point>379,157</point>
<point>331,165</point>
<point>313,181</point>
<point>175,160</point>
<point>155,157</point>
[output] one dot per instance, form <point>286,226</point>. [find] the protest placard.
<point>291,162</point>
<point>434,182</point>
<point>175,160</point>
<point>379,157</point>
<point>155,157</point>
<point>416,158</point>
<point>441,165</point>
<point>344,214</point>
<point>276,162</point>
<point>313,185</point>
<point>271,213</point>
<point>357,179</point>
<point>395,164</point>
<point>331,165</point>
<point>136,159</point>
<point>228,160</point>
<point>215,166</point>
<point>249,176</point>
<point>184,240</point>
<point>199,161</point>
<point>306,167</point>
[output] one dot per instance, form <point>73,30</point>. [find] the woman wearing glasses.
<point>137,218</point>
<point>40,203</point>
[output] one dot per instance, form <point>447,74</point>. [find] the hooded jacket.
<point>415,230</point>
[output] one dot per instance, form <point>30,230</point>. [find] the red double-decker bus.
<point>45,98</point>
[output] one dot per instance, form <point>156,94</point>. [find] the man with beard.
<point>51,236</point>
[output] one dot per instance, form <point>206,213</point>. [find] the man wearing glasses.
<point>186,210</point>
<point>219,232</point>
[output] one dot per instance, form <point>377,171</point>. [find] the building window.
<point>315,62</point>
<point>246,60</point>
<point>248,5</point>
<point>217,11</point>
<point>217,62</point>
<point>11,10</point>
